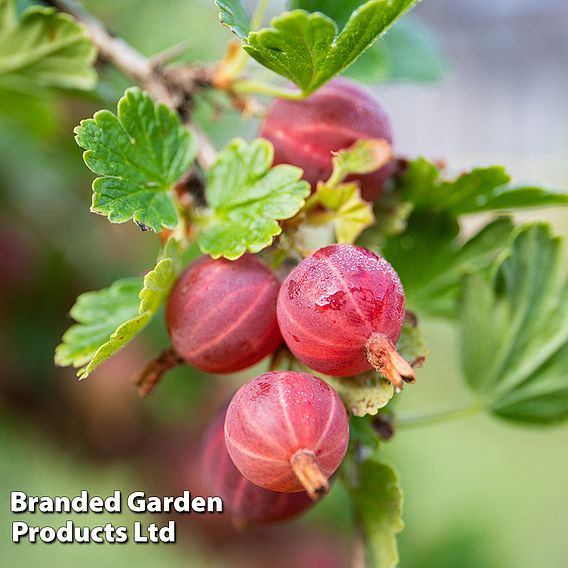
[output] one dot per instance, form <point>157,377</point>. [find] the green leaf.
<point>515,331</point>
<point>108,319</point>
<point>339,12</point>
<point>481,189</point>
<point>344,206</point>
<point>7,14</point>
<point>140,154</point>
<point>98,315</point>
<point>411,343</point>
<point>234,15</point>
<point>391,217</point>
<point>310,50</point>
<point>431,259</point>
<point>347,210</point>
<point>364,394</point>
<point>25,104</point>
<point>364,157</point>
<point>247,199</point>
<point>46,47</point>
<point>376,498</point>
<point>411,51</point>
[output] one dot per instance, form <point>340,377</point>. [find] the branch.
<point>174,87</point>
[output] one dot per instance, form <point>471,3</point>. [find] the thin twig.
<point>439,417</point>
<point>174,87</point>
<point>170,53</point>
<point>153,372</point>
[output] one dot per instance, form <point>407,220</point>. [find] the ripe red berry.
<point>287,431</point>
<point>221,315</point>
<point>305,133</point>
<point>341,311</point>
<point>247,503</point>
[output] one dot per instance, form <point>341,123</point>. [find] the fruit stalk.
<point>384,358</point>
<point>306,468</point>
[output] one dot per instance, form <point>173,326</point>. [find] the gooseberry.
<point>221,314</point>
<point>246,503</point>
<point>287,431</point>
<point>305,133</point>
<point>341,312</point>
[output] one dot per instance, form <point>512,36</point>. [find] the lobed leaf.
<point>481,189</point>
<point>45,47</point>
<point>108,319</point>
<point>247,199</point>
<point>515,331</point>
<point>139,154</point>
<point>310,49</point>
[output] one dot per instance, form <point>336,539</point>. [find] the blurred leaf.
<point>309,49</point>
<point>247,199</point>
<point>364,157</point>
<point>377,506</point>
<point>515,331</point>
<point>108,319</point>
<point>411,343</point>
<point>47,47</point>
<point>140,154</point>
<point>411,51</point>
<point>234,15</point>
<point>345,208</point>
<point>431,260</point>
<point>363,394</point>
<point>364,436</point>
<point>7,14</point>
<point>24,104</point>
<point>391,216</point>
<point>481,189</point>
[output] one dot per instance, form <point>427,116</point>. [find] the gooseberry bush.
<point>313,248</point>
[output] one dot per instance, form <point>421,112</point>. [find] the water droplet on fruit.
<point>334,301</point>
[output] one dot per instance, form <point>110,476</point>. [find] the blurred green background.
<point>478,492</point>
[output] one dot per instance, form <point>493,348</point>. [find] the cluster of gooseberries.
<point>272,451</point>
